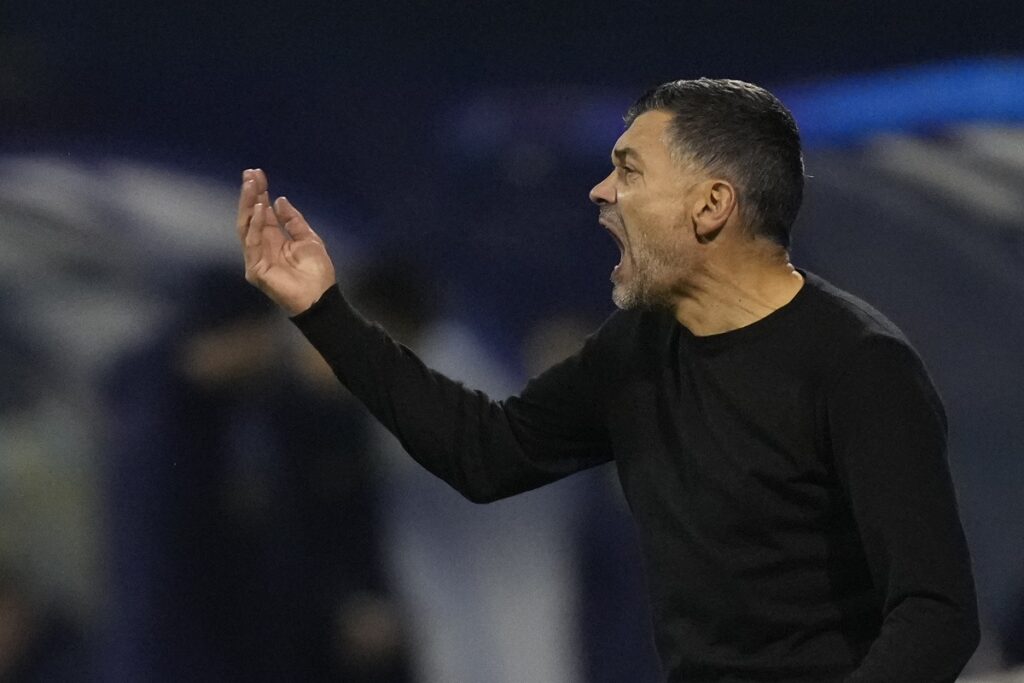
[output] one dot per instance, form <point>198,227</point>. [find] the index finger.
<point>294,222</point>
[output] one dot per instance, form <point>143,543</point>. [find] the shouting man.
<point>779,441</point>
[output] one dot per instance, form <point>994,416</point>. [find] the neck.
<point>726,296</point>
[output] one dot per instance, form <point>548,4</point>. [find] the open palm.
<point>283,256</point>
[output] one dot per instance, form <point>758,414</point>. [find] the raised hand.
<point>283,256</point>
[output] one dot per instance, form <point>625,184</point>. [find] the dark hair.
<point>744,133</point>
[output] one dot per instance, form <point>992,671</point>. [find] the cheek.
<point>649,218</point>
<point>650,228</point>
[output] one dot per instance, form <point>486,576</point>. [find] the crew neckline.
<point>757,328</point>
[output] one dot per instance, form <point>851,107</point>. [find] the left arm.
<point>888,432</point>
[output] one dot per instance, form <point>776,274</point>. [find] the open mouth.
<point>617,270</point>
<point>618,241</point>
<point>615,235</point>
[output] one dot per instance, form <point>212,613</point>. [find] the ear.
<point>715,202</point>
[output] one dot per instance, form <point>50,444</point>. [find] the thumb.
<point>293,221</point>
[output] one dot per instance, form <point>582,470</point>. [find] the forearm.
<point>479,446</point>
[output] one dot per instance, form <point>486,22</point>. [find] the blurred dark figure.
<point>39,642</point>
<point>43,631</point>
<point>243,514</point>
<point>489,590</point>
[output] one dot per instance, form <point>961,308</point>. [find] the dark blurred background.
<point>165,513</point>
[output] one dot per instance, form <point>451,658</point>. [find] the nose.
<point>604,192</point>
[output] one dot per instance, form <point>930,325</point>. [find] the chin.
<point>622,300</point>
<point>635,295</point>
<point>624,295</point>
<point>628,298</point>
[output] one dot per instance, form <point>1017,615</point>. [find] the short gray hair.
<point>744,133</point>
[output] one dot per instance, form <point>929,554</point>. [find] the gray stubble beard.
<point>649,268</point>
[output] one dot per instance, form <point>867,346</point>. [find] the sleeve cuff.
<point>331,297</point>
<point>333,327</point>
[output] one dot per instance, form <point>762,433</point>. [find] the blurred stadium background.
<point>149,533</point>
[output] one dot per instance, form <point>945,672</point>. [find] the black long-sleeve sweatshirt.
<point>788,479</point>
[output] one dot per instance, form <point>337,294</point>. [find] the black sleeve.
<point>888,432</point>
<point>483,448</point>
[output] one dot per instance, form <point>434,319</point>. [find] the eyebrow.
<point>622,152</point>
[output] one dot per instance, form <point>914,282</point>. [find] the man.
<point>779,442</point>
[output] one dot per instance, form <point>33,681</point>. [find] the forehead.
<point>646,134</point>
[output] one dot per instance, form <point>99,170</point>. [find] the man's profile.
<point>779,441</point>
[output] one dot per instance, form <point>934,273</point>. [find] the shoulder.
<point>627,326</point>
<point>630,336</point>
<point>870,355</point>
<point>846,316</point>
<point>848,327</point>
<point>855,336</point>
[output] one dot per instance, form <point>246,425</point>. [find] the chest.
<point>735,441</point>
